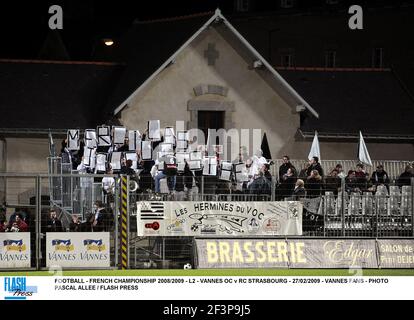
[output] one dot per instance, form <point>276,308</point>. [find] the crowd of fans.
<point>99,220</point>
<point>18,222</point>
<point>309,181</point>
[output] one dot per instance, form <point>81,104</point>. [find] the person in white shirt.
<point>258,161</point>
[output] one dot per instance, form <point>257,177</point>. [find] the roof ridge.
<point>333,69</point>
<point>97,63</point>
<point>176,18</point>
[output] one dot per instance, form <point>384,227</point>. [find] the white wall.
<point>257,105</point>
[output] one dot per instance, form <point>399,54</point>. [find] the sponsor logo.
<point>176,226</point>
<point>94,245</point>
<point>154,226</point>
<point>348,252</point>
<point>63,245</point>
<point>293,210</point>
<point>16,288</point>
<point>272,225</point>
<point>14,245</point>
<point>253,225</point>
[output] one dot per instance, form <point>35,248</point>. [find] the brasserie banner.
<point>279,253</point>
<point>229,219</point>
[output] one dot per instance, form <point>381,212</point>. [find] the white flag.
<point>363,154</point>
<point>315,149</point>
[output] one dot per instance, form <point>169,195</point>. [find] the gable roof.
<point>54,94</point>
<point>350,100</point>
<point>150,65</point>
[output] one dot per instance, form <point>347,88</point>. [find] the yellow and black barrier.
<point>124,222</point>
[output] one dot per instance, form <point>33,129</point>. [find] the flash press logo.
<point>16,288</point>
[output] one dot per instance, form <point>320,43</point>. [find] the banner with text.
<point>78,250</point>
<point>15,250</point>
<point>234,219</point>
<point>396,254</point>
<point>336,254</point>
<point>279,253</point>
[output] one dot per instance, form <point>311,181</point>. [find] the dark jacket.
<point>299,194</point>
<point>316,167</point>
<point>287,186</point>
<point>405,179</point>
<point>184,179</point>
<point>104,221</point>
<point>98,224</point>
<point>2,217</point>
<point>261,186</point>
<point>284,169</point>
<point>76,227</point>
<point>332,184</point>
<point>314,187</point>
<point>54,226</point>
<point>380,178</point>
<point>352,185</point>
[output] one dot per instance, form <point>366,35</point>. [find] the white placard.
<point>116,161</point>
<point>196,156</point>
<point>15,250</point>
<point>182,157</point>
<point>134,140</point>
<point>104,136</point>
<point>182,136</point>
<point>78,250</point>
<point>210,166</point>
<point>242,177</point>
<point>240,167</point>
<point>241,173</point>
<point>119,135</point>
<point>167,147</point>
<point>73,140</point>
<point>101,162</point>
<point>182,145</point>
<point>169,136</point>
<point>146,150</point>
<point>169,131</point>
<point>195,165</point>
<point>228,166</point>
<point>154,130</point>
<point>225,175</point>
<point>90,139</point>
<point>170,140</point>
<point>89,157</point>
<point>134,158</point>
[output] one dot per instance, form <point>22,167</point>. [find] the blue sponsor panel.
<point>15,251</point>
<point>78,250</point>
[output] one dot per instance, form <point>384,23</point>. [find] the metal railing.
<point>365,211</point>
<point>393,168</point>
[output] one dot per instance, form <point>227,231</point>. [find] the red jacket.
<point>23,227</point>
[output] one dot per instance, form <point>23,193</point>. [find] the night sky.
<point>24,24</point>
